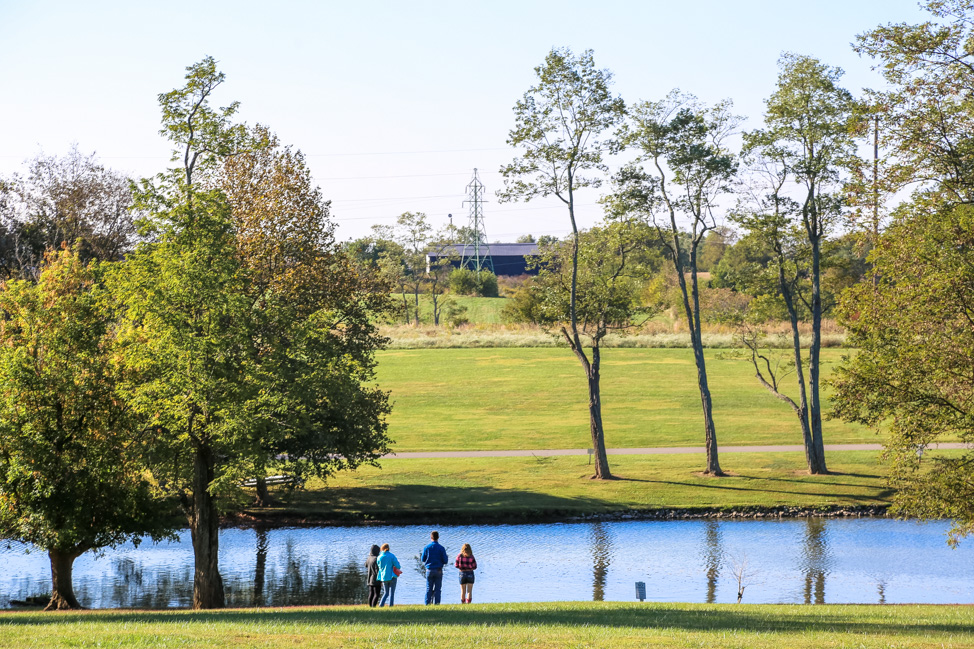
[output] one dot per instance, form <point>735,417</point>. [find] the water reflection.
<point>261,567</point>
<point>712,557</point>
<point>297,580</point>
<point>601,558</point>
<point>685,561</point>
<point>815,560</point>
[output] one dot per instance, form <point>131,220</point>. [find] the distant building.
<point>507,258</point>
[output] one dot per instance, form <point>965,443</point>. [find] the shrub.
<point>464,281</point>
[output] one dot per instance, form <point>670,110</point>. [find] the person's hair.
<point>375,551</point>
<point>435,536</point>
<point>385,547</point>
<point>466,550</point>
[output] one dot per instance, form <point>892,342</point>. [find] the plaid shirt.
<point>465,563</point>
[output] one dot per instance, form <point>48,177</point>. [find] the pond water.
<point>792,561</point>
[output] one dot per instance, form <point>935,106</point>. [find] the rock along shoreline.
<point>252,518</point>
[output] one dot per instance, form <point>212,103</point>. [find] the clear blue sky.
<point>394,103</point>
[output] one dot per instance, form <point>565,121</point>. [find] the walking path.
<point>672,450</point>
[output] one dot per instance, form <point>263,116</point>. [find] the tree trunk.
<point>205,530</point>
<point>416,305</point>
<point>816,464</point>
<point>710,433</point>
<point>62,589</point>
<point>591,368</point>
<point>602,471</point>
<point>263,494</point>
<point>811,457</point>
<point>693,321</point>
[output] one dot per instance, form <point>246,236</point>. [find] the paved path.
<point>673,450</point>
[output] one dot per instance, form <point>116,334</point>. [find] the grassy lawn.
<point>468,399</point>
<point>521,488</point>
<point>504,625</point>
<point>479,310</point>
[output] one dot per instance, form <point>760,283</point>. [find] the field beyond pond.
<point>531,489</point>
<point>572,624</point>
<point>531,398</point>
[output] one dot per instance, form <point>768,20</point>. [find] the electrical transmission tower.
<point>476,252</point>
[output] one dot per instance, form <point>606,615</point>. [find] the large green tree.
<point>71,478</point>
<point>317,410</point>
<point>684,167</point>
<point>561,124</point>
<point>807,141</point>
<point>913,325</point>
<point>248,329</point>
<point>914,331</point>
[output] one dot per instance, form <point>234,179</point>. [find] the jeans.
<point>434,583</point>
<point>388,590</point>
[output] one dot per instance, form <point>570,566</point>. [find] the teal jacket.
<point>387,561</point>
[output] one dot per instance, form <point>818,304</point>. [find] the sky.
<point>394,103</point>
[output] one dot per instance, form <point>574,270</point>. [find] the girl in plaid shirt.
<point>467,564</point>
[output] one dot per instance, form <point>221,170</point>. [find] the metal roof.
<point>500,249</point>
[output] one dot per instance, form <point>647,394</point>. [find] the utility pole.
<point>476,251</point>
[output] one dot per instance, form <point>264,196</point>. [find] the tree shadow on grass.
<point>729,483</point>
<point>721,618</point>
<point>427,502</point>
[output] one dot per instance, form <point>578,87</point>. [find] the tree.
<point>412,235</point>
<point>685,145</point>
<point>316,341</point>
<point>913,324</point>
<point>440,257</point>
<point>244,322</point>
<point>808,138</point>
<point>911,374</point>
<point>769,219</point>
<point>71,200</point>
<point>561,122</point>
<point>926,116</point>
<point>188,324</point>
<point>71,479</point>
<point>614,264</point>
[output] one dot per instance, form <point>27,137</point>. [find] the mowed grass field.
<point>574,624</point>
<point>535,398</point>
<point>518,488</point>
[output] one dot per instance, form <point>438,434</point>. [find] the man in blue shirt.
<point>434,558</point>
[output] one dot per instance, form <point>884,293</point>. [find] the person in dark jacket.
<point>372,572</point>
<point>434,558</point>
<point>466,564</point>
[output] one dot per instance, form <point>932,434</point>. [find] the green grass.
<point>480,310</point>
<point>468,399</point>
<point>617,625</point>
<point>522,488</point>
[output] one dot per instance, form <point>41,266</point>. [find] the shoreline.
<point>251,519</point>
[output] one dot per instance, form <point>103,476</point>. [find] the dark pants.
<point>434,584</point>
<point>374,591</point>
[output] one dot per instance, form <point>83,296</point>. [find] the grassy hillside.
<point>466,399</point>
<point>592,624</point>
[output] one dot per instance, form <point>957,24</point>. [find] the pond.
<point>811,560</point>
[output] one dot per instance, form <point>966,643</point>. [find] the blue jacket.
<point>385,562</point>
<point>434,556</point>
